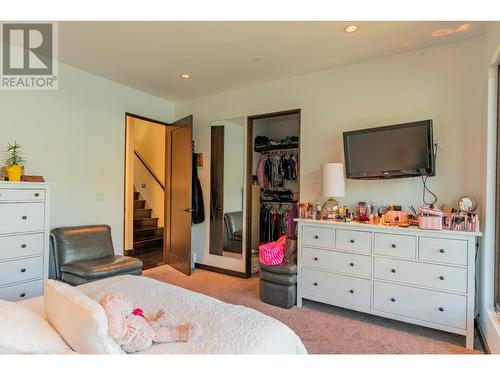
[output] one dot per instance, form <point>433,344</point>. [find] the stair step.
<point>139,203</point>
<point>148,244</point>
<point>142,234</point>
<point>136,195</point>
<point>146,223</point>
<point>135,252</point>
<point>142,213</point>
<point>138,252</point>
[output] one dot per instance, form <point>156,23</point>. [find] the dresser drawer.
<point>319,236</point>
<point>21,217</point>
<point>443,250</point>
<point>452,279</point>
<point>22,245</point>
<point>352,264</point>
<point>336,288</point>
<point>434,307</point>
<point>395,245</point>
<point>19,270</point>
<point>22,194</point>
<point>22,291</point>
<point>353,240</point>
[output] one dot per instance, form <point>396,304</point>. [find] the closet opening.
<point>273,175</point>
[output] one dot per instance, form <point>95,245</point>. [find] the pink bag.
<point>272,253</point>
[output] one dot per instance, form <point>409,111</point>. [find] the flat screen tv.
<point>403,150</point>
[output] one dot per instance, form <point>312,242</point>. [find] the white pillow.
<point>80,320</point>
<point>24,331</point>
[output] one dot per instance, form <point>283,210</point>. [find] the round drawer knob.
<point>393,299</point>
<point>393,245</point>
<point>37,194</point>
<point>351,241</point>
<point>441,309</point>
<point>22,295</point>
<point>23,270</point>
<point>316,237</point>
<point>441,251</point>
<point>24,217</point>
<point>315,284</point>
<point>315,258</point>
<point>393,270</point>
<point>351,291</point>
<point>351,264</point>
<point>441,277</point>
<point>23,246</point>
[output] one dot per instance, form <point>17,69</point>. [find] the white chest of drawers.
<point>417,276</point>
<point>24,239</point>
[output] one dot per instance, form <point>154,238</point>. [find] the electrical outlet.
<point>99,197</point>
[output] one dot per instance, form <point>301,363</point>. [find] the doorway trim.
<point>249,173</point>
<point>144,118</point>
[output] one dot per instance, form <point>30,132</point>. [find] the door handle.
<point>219,208</point>
<point>189,210</point>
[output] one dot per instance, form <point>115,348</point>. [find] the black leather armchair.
<point>233,231</point>
<point>85,253</point>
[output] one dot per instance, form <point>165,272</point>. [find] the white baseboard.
<point>489,324</point>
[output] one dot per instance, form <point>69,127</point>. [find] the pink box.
<point>430,222</point>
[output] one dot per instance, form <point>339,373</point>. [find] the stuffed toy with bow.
<point>135,333</point>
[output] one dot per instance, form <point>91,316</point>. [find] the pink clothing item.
<point>261,173</point>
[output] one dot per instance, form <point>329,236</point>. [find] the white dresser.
<point>24,239</point>
<point>417,276</point>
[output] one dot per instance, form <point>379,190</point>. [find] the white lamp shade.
<point>332,180</point>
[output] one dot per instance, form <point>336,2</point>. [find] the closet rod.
<point>284,152</point>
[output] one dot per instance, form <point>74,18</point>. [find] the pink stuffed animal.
<point>135,333</point>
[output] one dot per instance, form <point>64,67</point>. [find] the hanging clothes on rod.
<point>276,167</point>
<point>276,220</point>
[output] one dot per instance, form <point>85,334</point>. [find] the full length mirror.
<point>226,187</point>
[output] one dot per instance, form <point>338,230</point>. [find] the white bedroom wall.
<point>74,137</point>
<point>443,83</point>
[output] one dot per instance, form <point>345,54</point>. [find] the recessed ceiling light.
<point>257,59</point>
<point>351,28</point>
<point>185,75</point>
<point>441,32</point>
<point>464,27</point>
<point>407,44</point>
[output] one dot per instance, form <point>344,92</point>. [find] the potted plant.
<point>14,162</point>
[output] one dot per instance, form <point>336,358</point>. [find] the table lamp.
<point>332,186</point>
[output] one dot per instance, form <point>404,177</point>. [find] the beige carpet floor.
<point>323,329</point>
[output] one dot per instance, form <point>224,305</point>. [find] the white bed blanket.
<point>227,329</point>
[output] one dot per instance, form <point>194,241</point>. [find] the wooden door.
<point>217,191</point>
<point>178,178</point>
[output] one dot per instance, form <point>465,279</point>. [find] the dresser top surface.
<point>386,228</point>
<point>24,185</point>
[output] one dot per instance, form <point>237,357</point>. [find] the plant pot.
<point>14,172</point>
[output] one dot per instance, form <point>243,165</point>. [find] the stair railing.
<point>141,159</point>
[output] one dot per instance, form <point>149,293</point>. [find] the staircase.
<point>148,236</point>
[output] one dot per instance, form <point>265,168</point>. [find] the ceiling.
<point>220,56</point>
